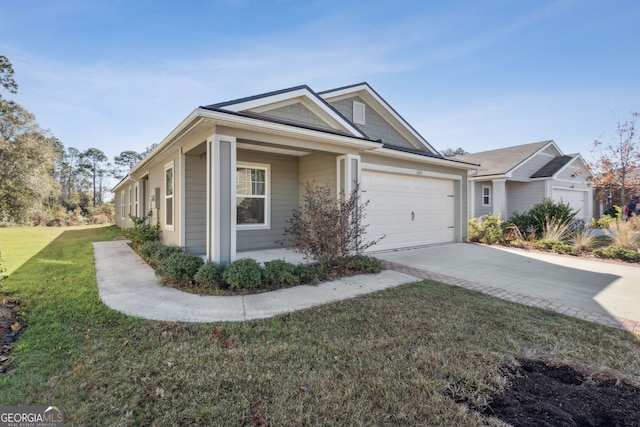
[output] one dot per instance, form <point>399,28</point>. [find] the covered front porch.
<point>239,190</point>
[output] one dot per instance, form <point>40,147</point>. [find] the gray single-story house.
<point>228,177</point>
<point>513,179</point>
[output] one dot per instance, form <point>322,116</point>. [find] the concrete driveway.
<point>605,288</point>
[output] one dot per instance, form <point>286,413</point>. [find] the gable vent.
<point>358,113</point>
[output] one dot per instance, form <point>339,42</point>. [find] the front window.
<point>486,195</point>
<point>252,196</point>
<point>168,196</point>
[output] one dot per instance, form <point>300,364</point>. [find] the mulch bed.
<point>540,395</point>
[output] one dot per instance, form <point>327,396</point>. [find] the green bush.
<point>141,232</point>
<point>180,267</point>
<point>617,252</point>
<point>545,245</point>
<point>280,272</point>
<point>555,246</point>
<point>542,213</point>
<point>609,219</point>
<point>312,274</point>
<point>155,252</point>
<point>487,229</point>
<point>243,273</point>
<point>211,274</point>
<point>363,264</point>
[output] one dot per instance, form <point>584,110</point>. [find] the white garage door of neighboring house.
<point>576,199</point>
<point>410,210</point>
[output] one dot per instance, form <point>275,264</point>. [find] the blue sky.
<point>120,75</point>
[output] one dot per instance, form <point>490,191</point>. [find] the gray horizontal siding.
<point>195,204</point>
<point>284,199</point>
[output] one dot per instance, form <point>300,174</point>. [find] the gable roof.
<point>503,160</point>
<point>382,107</point>
<point>298,94</point>
<point>555,165</point>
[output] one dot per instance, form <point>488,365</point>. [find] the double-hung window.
<point>252,195</point>
<point>168,196</point>
<point>486,195</point>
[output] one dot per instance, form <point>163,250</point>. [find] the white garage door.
<point>576,199</point>
<point>410,210</point>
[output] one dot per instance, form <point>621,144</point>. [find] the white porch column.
<point>349,172</point>
<point>221,195</point>
<point>500,198</point>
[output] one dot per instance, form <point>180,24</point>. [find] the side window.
<point>168,195</point>
<point>123,209</point>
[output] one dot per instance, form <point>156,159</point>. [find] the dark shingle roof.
<point>552,167</point>
<point>500,161</point>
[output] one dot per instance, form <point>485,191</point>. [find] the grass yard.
<point>405,356</point>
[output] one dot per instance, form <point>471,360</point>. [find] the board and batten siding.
<point>284,199</point>
<point>196,204</point>
<point>375,126</point>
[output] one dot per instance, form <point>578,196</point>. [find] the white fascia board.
<point>225,119</point>
<point>286,96</point>
<point>354,90</point>
<point>387,152</point>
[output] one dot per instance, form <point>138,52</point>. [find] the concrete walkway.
<point>591,290</point>
<point>127,284</point>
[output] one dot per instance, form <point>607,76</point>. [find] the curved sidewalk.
<point>127,284</point>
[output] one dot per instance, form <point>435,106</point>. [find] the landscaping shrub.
<point>536,217</point>
<point>154,252</point>
<point>609,218</point>
<point>555,246</point>
<point>312,274</point>
<point>487,229</point>
<point>363,264</point>
<point>616,252</point>
<point>280,272</point>
<point>180,267</point>
<point>243,273</point>
<point>211,274</point>
<point>555,230</point>
<point>141,232</point>
<point>582,240</point>
<point>624,235</point>
<point>328,229</point>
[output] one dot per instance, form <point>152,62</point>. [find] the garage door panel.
<point>409,210</point>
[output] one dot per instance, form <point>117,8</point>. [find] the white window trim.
<point>267,196</point>
<point>168,166</point>
<point>136,194</point>
<point>359,119</point>
<point>123,205</point>
<point>130,201</point>
<point>482,195</point>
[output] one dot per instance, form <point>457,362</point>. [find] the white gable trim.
<point>551,144</point>
<point>303,95</point>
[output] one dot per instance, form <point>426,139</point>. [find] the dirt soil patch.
<point>10,329</point>
<point>540,394</point>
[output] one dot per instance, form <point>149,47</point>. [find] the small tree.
<point>450,152</point>
<point>616,161</point>
<point>329,229</point>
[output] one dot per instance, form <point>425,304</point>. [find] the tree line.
<point>41,181</point>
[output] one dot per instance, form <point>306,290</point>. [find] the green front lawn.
<point>402,356</point>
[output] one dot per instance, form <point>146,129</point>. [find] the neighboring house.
<point>228,177</point>
<point>513,179</point>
